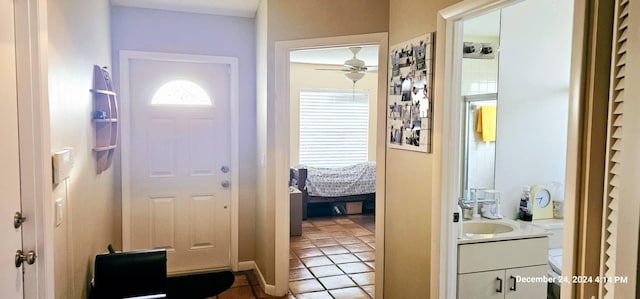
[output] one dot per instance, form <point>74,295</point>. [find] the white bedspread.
<point>343,181</point>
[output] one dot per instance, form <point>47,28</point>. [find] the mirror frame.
<point>468,99</point>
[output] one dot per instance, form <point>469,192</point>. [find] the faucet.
<point>471,201</point>
<point>464,205</point>
<point>473,194</point>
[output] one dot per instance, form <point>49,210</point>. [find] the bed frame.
<point>300,176</point>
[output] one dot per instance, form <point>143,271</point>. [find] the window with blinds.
<point>334,127</point>
<point>614,147</point>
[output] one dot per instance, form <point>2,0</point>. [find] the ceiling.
<point>248,8</point>
<point>335,56</point>
<point>236,8</point>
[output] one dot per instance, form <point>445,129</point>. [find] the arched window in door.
<point>181,93</point>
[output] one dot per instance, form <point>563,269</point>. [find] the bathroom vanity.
<point>502,259</point>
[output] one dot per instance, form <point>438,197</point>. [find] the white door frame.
<point>35,145</point>
<point>447,88</point>
<point>282,124</point>
<point>125,121</point>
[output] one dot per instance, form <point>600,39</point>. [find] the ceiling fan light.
<point>354,62</point>
<point>354,76</point>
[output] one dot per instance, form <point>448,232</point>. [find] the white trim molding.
<point>268,288</point>
<point>246,265</point>
<point>448,153</point>
<point>125,58</point>
<point>447,87</point>
<point>282,140</point>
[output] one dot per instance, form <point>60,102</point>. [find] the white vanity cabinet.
<point>503,269</point>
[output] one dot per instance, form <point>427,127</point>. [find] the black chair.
<point>130,274</point>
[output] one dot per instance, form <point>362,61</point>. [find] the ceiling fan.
<point>354,68</point>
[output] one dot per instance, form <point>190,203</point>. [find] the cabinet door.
<point>482,285</point>
<point>526,288</point>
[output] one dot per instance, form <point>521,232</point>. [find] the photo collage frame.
<point>410,105</point>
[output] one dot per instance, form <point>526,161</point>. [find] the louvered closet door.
<point>612,199</point>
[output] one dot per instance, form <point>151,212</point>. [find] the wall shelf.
<point>105,118</point>
<point>104,148</point>
<point>102,91</point>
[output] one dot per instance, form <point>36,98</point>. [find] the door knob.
<point>225,184</point>
<point>30,258</point>
<point>224,169</point>
<point>18,219</point>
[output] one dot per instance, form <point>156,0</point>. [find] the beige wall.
<point>78,39</point>
<point>307,76</point>
<point>409,177</point>
<point>289,20</point>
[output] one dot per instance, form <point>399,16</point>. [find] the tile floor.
<point>334,258</point>
<point>246,286</point>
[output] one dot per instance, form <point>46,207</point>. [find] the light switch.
<point>59,211</point>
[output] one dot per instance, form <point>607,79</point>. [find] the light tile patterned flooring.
<point>334,258</point>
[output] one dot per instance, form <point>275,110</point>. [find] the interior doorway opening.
<point>470,91</point>
<point>332,157</point>
<point>284,77</point>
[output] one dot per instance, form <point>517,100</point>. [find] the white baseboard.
<point>269,289</point>
<point>246,266</point>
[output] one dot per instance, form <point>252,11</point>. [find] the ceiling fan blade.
<point>356,68</point>
<point>335,70</point>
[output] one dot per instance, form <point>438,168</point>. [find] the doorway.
<point>283,141</point>
<point>180,149</point>
<point>333,137</point>
<point>515,161</point>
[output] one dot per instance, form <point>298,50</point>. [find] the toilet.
<point>554,227</point>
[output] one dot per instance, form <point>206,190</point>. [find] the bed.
<point>327,186</point>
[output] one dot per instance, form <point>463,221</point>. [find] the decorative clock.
<point>542,202</point>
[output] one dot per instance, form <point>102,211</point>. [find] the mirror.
<point>518,74</point>
<point>479,87</point>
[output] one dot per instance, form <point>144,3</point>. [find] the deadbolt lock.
<point>30,258</point>
<point>225,184</point>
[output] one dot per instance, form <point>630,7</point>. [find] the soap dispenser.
<point>524,210</point>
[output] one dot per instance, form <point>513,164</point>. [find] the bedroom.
<point>332,159</point>
<point>332,123</point>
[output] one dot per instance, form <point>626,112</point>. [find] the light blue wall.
<point>78,38</point>
<point>188,33</point>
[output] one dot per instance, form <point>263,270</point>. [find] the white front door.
<point>180,143</point>
<point>11,281</point>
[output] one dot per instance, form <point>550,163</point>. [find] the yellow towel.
<point>487,123</point>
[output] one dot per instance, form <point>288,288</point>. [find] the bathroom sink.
<point>485,227</point>
<point>485,230</point>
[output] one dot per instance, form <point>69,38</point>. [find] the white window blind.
<point>334,127</point>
